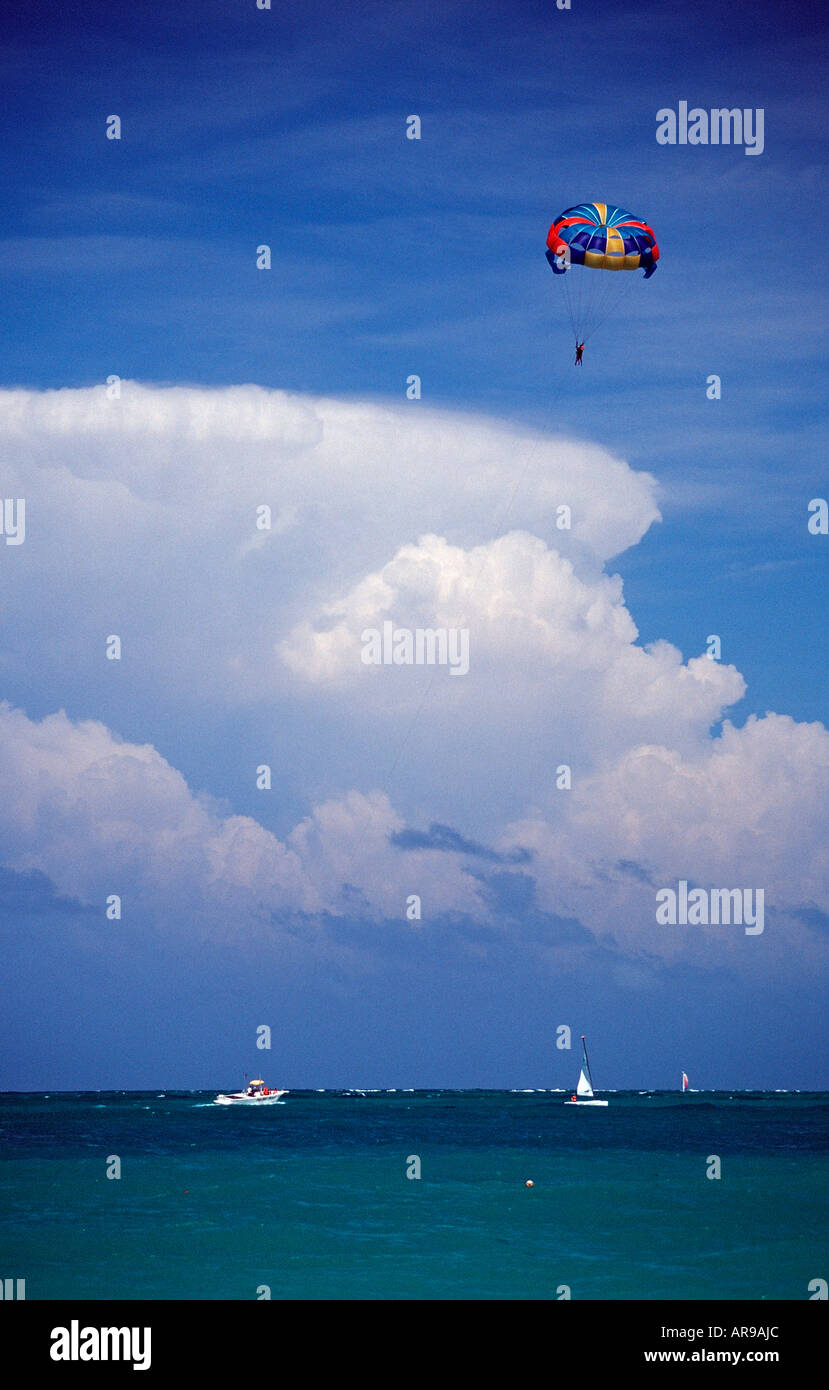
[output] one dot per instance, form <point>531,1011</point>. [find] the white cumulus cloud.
<point>141,520</point>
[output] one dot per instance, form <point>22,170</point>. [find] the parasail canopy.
<point>597,236</point>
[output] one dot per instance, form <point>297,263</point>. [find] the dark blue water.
<point>311,1199</point>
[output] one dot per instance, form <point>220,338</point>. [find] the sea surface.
<point>310,1198</point>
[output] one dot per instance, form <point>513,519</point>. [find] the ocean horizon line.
<point>422,1090</point>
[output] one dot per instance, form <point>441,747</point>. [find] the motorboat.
<point>255,1093</point>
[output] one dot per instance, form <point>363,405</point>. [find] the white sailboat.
<point>584,1090</point>
<point>684,1082</point>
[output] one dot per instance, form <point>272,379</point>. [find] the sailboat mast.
<point>587,1062</point>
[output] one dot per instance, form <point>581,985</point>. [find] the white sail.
<point>584,1088</point>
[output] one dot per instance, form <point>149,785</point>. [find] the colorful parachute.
<point>597,236</point>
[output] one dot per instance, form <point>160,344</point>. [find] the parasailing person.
<point>586,240</point>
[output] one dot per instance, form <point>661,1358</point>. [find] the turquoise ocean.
<point>310,1198</point>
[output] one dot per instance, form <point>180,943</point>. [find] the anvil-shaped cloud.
<point>144,518</point>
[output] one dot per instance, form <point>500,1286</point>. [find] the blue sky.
<point>392,257</point>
